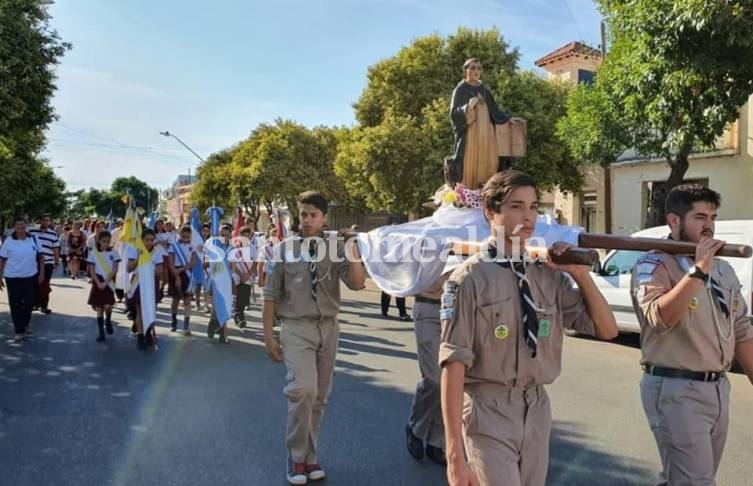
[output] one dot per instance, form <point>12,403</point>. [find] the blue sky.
<point>210,72</point>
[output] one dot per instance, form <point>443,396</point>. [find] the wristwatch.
<point>696,272</point>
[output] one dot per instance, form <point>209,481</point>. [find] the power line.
<point>575,22</point>
<point>125,145</point>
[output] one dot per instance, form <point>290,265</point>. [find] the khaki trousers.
<point>689,420</point>
<point>425,418</point>
<point>309,350</point>
<point>506,434</point>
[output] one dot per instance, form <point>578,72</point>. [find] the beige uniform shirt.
<point>704,340</point>
<point>482,324</point>
<point>289,282</point>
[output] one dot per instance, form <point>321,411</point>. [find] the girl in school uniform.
<point>182,258</point>
<point>149,238</point>
<point>102,266</point>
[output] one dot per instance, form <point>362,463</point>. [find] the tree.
<point>29,51</point>
<point>144,196</point>
<point>393,160</point>
<point>675,78</point>
<point>30,189</point>
<point>213,181</point>
<point>84,203</point>
<point>277,162</point>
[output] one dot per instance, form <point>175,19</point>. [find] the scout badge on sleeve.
<point>645,267</point>
<point>449,295</point>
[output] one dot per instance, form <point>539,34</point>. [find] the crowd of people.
<point>92,249</point>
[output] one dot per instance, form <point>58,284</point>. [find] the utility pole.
<point>607,169</point>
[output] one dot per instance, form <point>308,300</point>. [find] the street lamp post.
<point>168,134</point>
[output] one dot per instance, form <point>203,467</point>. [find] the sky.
<point>210,72</point>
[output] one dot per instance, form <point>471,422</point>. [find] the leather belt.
<point>683,374</point>
<point>427,300</point>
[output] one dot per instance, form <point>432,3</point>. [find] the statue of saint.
<point>474,114</point>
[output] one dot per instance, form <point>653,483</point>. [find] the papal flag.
<point>143,275</point>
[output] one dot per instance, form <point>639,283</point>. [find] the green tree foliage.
<point>278,161</point>
<point>29,51</point>
<point>675,77</point>
<point>30,189</point>
<point>393,160</point>
<point>100,202</point>
<point>213,179</point>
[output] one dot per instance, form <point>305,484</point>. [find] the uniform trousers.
<point>506,434</point>
<point>45,289</point>
<point>425,418</point>
<point>689,420</point>
<point>23,295</point>
<point>309,352</point>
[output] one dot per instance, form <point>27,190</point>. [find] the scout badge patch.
<point>501,332</point>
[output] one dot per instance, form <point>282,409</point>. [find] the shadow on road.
<point>574,460</point>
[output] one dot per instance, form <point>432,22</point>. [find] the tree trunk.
<point>295,222</point>
<point>678,167</point>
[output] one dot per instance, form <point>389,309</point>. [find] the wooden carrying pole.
<point>573,256</point>
<point>613,242</point>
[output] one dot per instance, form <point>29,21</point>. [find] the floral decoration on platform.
<point>459,197</point>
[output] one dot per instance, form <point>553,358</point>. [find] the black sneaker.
<point>211,329</point>
<point>134,329</point>
<point>174,326</point>
<point>405,318</point>
<point>414,444</point>
<point>242,324</point>
<point>46,310</point>
<point>436,454</point>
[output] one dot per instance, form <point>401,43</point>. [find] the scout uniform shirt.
<point>704,339</point>
<point>290,281</point>
<point>482,323</point>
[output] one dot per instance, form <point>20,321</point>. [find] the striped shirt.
<point>48,241</point>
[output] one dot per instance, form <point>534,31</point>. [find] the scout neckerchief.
<point>105,266</point>
<point>716,289</point>
<point>313,253</point>
<point>530,320</point>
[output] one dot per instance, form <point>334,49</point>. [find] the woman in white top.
<point>22,266</point>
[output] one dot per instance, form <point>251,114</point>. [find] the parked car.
<point>612,276</point>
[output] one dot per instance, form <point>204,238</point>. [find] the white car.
<point>612,276</point>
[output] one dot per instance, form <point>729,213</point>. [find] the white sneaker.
<point>315,472</point>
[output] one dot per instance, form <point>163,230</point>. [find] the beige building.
<point>576,62</point>
<point>617,201</point>
<point>177,200</point>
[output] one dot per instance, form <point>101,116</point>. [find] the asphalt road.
<point>75,412</point>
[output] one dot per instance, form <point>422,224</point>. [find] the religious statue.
<point>474,114</point>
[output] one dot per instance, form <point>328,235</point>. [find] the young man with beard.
<point>693,320</point>
<point>303,288</point>
<point>503,322</point>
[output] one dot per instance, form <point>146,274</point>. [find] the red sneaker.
<point>297,473</point>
